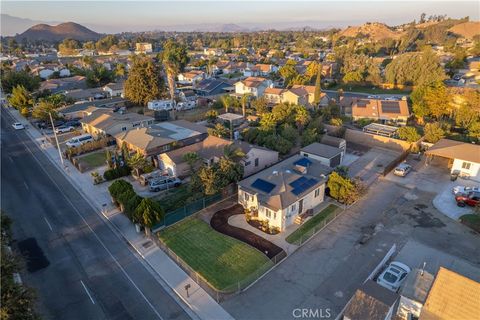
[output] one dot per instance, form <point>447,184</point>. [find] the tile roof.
<point>452,149</point>
<point>277,91</point>
<point>253,82</point>
<point>452,297</point>
<point>375,108</point>
<point>210,147</point>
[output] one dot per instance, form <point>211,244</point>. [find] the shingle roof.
<point>253,81</point>
<point>322,150</point>
<point>105,119</point>
<point>374,108</point>
<point>210,147</point>
<point>277,91</point>
<point>452,149</point>
<point>452,297</point>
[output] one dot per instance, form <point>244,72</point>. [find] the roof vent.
<point>288,171</point>
<point>275,172</point>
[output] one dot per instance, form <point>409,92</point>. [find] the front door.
<point>300,206</point>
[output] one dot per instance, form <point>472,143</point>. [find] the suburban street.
<point>88,271</point>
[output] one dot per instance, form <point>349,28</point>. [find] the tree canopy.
<point>144,82</point>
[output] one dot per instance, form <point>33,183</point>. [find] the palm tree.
<point>233,153</point>
<point>226,101</point>
<point>137,162</point>
<point>174,58</point>
<point>244,101</point>
<point>191,158</point>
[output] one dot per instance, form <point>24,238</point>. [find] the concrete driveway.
<point>369,166</point>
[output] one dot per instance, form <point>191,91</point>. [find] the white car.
<point>464,189</point>
<point>373,97</point>
<point>393,276</point>
<point>64,129</point>
<point>402,169</point>
<point>18,126</point>
<point>390,99</point>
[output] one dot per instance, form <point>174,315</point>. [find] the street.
<point>88,271</point>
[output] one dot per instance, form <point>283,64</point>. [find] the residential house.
<point>327,155</point>
<point>414,293</point>
<point>463,158</point>
<point>85,94</point>
<point>309,91</point>
<point>252,85</point>
<point>371,301</point>
<point>211,87</point>
<point>109,123</point>
<point>256,158</point>
<point>143,47</point>
<point>191,77</point>
<point>213,52</point>
<point>114,89</point>
<point>162,137</point>
<point>64,84</point>
<point>82,109</point>
<point>260,69</point>
<point>335,142</point>
<point>296,95</point>
<point>165,104</point>
<point>187,95</point>
<point>284,191</point>
<point>273,95</point>
<point>452,296</point>
<point>386,111</point>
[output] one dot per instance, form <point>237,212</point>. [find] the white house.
<point>252,85</point>
<point>114,89</point>
<point>45,73</point>
<point>463,158</point>
<point>282,193</point>
<point>166,104</point>
<point>143,47</point>
<point>191,77</point>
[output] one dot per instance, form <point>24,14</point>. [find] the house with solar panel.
<point>282,193</point>
<point>385,111</point>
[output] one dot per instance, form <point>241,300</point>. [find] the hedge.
<point>115,173</point>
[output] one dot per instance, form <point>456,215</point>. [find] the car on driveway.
<point>164,183</point>
<point>393,276</point>
<point>471,198</point>
<point>402,170</point>
<point>464,189</point>
<point>18,126</point>
<point>63,129</point>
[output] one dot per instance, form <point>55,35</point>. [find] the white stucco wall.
<point>473,171</point>
<point>265,159</point>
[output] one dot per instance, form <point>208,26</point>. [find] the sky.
<point>110,16</point>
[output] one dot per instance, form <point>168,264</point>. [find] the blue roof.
<point>304,162</point>
<point>263,185</point>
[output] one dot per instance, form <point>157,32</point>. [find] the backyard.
<point>221,260</point>
<point>369,89</point>
<point>93,159</point>
<point>177,198</point>
<point>310,226</point>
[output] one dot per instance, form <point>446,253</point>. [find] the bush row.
<point>112,174</point>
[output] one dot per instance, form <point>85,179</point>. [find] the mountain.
<point>59,32</point>
<point>467,29</point>
<point>375,31</point>
<point>11,25</point>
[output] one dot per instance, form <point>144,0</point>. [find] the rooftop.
<point>322,150</point>
<point>452,149</point>
<point>230,116</point>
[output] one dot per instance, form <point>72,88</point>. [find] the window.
<point>292,208</point>
<point>165,147</point>
<point>466,165</point>
<point>246,196</point>
<point>317,192</point>
<point>135,124</point>
<point>274,215</point>
<point>268,213</point>
<point>124,128</point>
<point>247,163</point>
<point>256,162</point>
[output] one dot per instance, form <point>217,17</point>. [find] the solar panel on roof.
<point>301,185</point>
<point>390,107</point>
<point>304,162</point>
<point>263,185</point>
<point>298,182</point>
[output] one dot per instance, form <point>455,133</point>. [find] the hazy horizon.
<point>121,16</point>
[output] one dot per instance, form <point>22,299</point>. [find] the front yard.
<point>221,260</point>
<point>310,226</point>
<point>94,159</point>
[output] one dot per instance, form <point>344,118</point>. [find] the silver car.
<point>464,189</point>
<point>162,184</point>
<point>402,169</point>
<point>393,276</point>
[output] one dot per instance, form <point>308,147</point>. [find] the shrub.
<point>130,207</point>
<point>343,189</point>
<point>115,173</point>
<point>433,132</point>
<point>337,122</point>
<point>118,187</point>
<point>409,134</point>
<point>148,212</point>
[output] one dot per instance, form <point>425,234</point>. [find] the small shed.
<point>414,293</point>
<point>231,118</point>
<point>380,129</point>
<point>327,155</point>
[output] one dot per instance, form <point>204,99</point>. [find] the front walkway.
<point>201,305</point>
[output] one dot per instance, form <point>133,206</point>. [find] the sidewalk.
<point>203,306</point>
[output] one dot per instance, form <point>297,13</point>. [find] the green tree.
<point>343,189</point>
<point>260,105</point>
<point>288,72</point>
<point>211,115</point>
<point>191,158</point>
<point>433,132</point>
<point>43,110</point>
<point>302,117</point>
<point>12,79</point>
<point>105,43</point>
<point>431,100</point>
<point>69,47</point>
<point>118,187</point>
<point>244,102</point>
<point>317,95</point>
<point>226,102</point>
<point>149,212</point>
<point>144,82</point>
<point>207,175</point>
<point>20,98</point>
<point>174,58</point>
<point>219,131</point>
<point>137,162</point>
<point>409,134</point>
<point>268,122</point>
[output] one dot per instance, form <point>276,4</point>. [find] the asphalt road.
<point>80,268</point>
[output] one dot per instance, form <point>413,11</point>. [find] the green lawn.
<point>310,225</point>
<point>221,260</point>
<point>94,159</point>
<point>472,221</point>
<point>177,198</point>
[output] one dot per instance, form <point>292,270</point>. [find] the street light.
<point>56,139</point>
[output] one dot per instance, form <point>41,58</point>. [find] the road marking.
<point>26,185</point>
<point>48,223</point>
<point>86,290</point>
<point>93,232</point>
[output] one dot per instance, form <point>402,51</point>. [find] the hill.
<point>375,31</point>
<point>59,32</point>
<point>467,29</point>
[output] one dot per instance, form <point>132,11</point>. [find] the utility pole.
<point>56,139</point>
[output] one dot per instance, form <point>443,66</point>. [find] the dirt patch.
<point>423,218</point>
<point>219,222</point>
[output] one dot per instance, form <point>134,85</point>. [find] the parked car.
<point>464,189</point>
<point>402,170</point>
<point>390,99</point>
<point>63,129</point>
<point>373,97</point>
<point>164,183</point>
<point>73,123</point>
<point>471,198</point>
<point>18,126</point>
<point>393,276</point>
<point>79,140</point>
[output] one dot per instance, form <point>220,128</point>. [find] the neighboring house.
<point>256,158</point>
<point>114,89</point>
<point>284,191</point>
<point>162,137</point>
<point>260,69</point>
<point>451,297</point>
<point>327,155</point>
<point>82,109</point>
<point>107,122</point>
<point>166,104</point>
<point>381,110</point>
<point>252,85</point>
<point>414,293</point>
<point>211,87</point>
<point>191,77</point>
<point>463,158</point>
<point>213,52</point>
<point>273,95</point>
<point>298,96</point>
<point>335,142</point>
<point>371,301</point>
<point>143,47</point>
<point>309,91</point>
<point>64,84</point>
<point>85,94</point>
<point>187,95</point>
